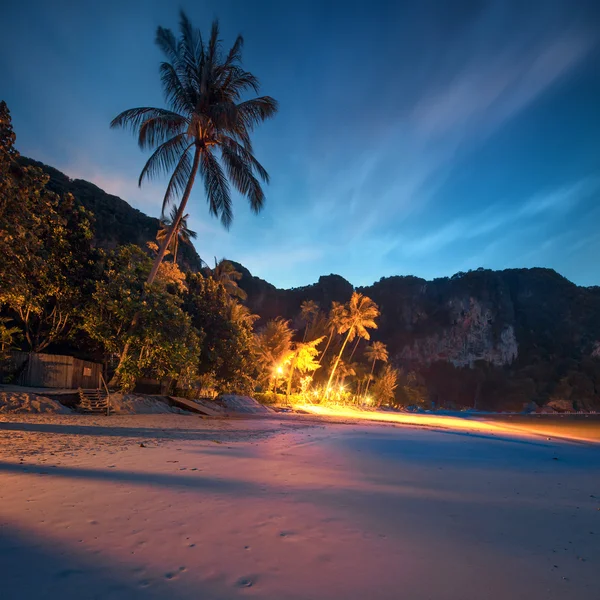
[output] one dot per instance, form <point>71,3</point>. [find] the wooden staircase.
<point>94,401</point>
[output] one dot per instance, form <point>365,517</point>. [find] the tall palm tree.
<point>182,232</point>
<point>309,309</point>
<point>359,315</point>
<point>206,129</point>
<point>228,276</point>
<point>376,351</point>
<point>336,315</point>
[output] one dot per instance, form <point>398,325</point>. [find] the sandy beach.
<point>178,507</point>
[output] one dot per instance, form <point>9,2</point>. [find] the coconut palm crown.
<point>182,232</point>
<point>206,129</point>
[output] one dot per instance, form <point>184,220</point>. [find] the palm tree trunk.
<point>159,257</point>
<point>337,362</point>
<point>354,350</point>
<point>289,385</point>
<point>327,346</point>
<point>175,249</point>
<point>174,225</point>
<point>369,380</point>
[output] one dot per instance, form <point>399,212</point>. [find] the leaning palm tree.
<point>336,316</point>
<point>309,310</point>
<point>376,351</point>
<point>182,232</point>
<point>359,315</point>
<point>206,129</point>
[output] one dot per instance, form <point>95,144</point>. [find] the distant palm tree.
<point>226,274</point>
<point>376,351</point>
<point>336,315</point>
<point>240,314</point>
<point>207,129</point>
<point>182,232</point>
<point>359,315</point>
<point>309,309</point>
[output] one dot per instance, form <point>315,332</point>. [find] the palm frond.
<point>179,179</point>
<point>254,112</point>
<point>165,157</point>
<point>235,53</point>
<point>240,174</point>
<point>217,188</point>
<point>133,118</point>
<point>158,130</point>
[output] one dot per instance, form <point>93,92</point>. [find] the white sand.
<point>27,403</point>
<point>280,511</point>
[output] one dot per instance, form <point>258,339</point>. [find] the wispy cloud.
<point>530,212</point>
<point>484,94</point>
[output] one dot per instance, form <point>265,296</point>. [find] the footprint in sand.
<point>173,574</point>
<point>245,582</point>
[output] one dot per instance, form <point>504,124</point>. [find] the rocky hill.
<point>115,221</point>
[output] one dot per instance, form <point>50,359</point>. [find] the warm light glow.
<point>279,370</point>
<point>368,400</point>
<point>428,420</point>
<point>341,388</point>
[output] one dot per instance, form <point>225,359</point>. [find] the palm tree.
<point>359,315</point>
<point>336,315</point>
<point>385,386</point>
<point>241,315</point>
<point>228,276</point>
<point>309,309</point>
<point>182,232</point>
<point>302,357</point>
<point>273,345</point>
<point>206,129</point>
<point>376,351</point>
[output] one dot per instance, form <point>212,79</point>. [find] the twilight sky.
<point>413,138</point>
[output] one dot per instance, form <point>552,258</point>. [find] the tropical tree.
<point>240,314</point>
<point>385,386</point>
<point>303,358</point>
<point>228,276</point>
<point>376,351</point>
<point>309,310</point>
<point>273,344</point>
<point>227,357</point>
<point>336,316</point>
<point>359,315</point>
<point>164,342</point>
<point>206,129</point>
<point>182,232</point>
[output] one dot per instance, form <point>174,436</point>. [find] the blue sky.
<point>413,138</point>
